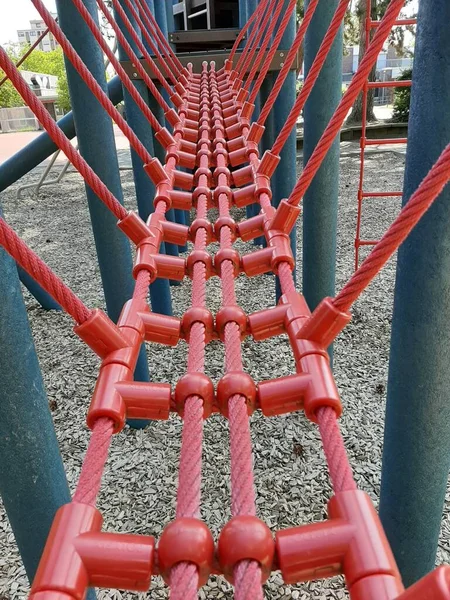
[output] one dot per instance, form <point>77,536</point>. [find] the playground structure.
<point>214,138</point>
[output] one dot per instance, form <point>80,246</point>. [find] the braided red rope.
<point>42,273</point>
<point>123,75</point>
<point>427,192</point>
<point>253,53</point>
<point>139,44</point>
<point>90,81</point>
<point>264,68</point>
<point>349,97</point>
<point>312,76</point>
<point>132,55</point>
<point>256,13</point>
<point>251,46</point>
<point>59,138</point>
<point>293,51</point>
<point>152,24</point>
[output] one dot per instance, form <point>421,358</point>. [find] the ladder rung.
<point>381,141</point>
<point>366,242</point>
<point>389,84</point>
<point>381,194</point>
<point>198,13</point>
<point>398,23</point>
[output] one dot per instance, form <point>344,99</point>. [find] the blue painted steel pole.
<point>96,143</point>
<point>32,479</point>
<point>285,176</point>
<point>44,299</point>
<point>321,201</point>
<point>416,456</point>
<point>42,147</point>
<point>145,190</point>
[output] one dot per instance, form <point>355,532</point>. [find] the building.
<point>29,36</point>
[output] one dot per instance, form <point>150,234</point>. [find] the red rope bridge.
<point>214,139</point>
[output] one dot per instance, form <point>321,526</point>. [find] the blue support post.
<point>321,201</point>
<point>32,479</point>
<point>416,456</point>
<point>97,145</point>
<point>42,147</point>
<point>44,299</point>
<point>285,176</point>
<point>145,190</point>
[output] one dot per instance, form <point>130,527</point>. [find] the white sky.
<point>16,16</point>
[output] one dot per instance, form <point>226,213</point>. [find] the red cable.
<point>349,97</point>
<point>125,79</point>
<point>169,65</point>
<point>312,76</point>
<point>42,273</point>
<point>250,47</point>
<point>59,138</point>
<point>259,33</point>
<point>275,44</point>
<point>163,43</point>
<point>260,57</point>
<point>92,84</point>
<point>244,30</point>
<point>427,192</point>
<point>145,53</point>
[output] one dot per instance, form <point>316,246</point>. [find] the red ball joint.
<point>245,538</point>
<point>186,540</point>
<point>198,314</point>
<point>236,383</point>
<point>195,384</point>
<point>231,314</point>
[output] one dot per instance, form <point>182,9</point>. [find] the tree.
<point>395,39</point>
<point>402,99</point>
<point>50,63</point>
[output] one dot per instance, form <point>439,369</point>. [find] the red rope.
<point>58,137</point>
<point>132,55</point>
<point>144,9</point>
<point>170,65</point>
<point>349,97</point>
<point>139,44</point>
<point>293,51</point>
<point>427,192</point>
<point>256,13</point>
<point>253,50</point>
<point>124,78</point>
<point>274,47</point>
<point>250,46</point>
<point>312,76</point>
<point>42,273</point>
<point>92,84</point>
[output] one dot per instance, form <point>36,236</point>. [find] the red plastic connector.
<point>186,540</point>
<point>268,164</point>
<point>231,314</point>
<point>225,221</point>
<point>236,383</point>
<point>228,254</point>
<point>434,586</point>
<point>245,538</point>
<point>101,334</point>
<point>134,227</point>
<point>352,542</point>
<point>244,195</point>
<point>199,256</point>
<point>170,267</point>
<point>198,314</point>
<point>161,329</point>
<point>156,171</point>
<point>243,176</point>
<point>285,217</point>
<point>195,384</point>
<point>249,229</point>
<point>200,223</point>
<point>78,556</point>
<point>325,323</point>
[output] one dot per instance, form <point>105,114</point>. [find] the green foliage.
<point>402,99</point>
<point>49,63</point>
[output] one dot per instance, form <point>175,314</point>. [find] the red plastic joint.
<point>325,323</point>
<point>228,254</point>
<point>267,323</point>
<point>183,180</point>
<point>435,586</point>
<point>268,164</point>
<point>243,176</point>
<point>156,171</point>
<point>144,400</point>
<point>199,223</point>
<point>175,233</point>
<point>186,540</point>
<point>195,384</point>
<point>161,329</point>
<point>198,314</point>
<point>255,133</point>
<point>134,227</point>
<point>180,199</point>
<point>225,221</point>
<point>200,256</point>
<point>257,262</point>
<point>231,314</point>
<point>170,267</point>
<point>352,542</point>
<point>232,383</point>
<point>251,228</point>
<point>244,195</point>
<point>285,217</point>
<point>145,257</point>
<point>245,538</point>
<point>77,556</point>
<point>101,334</point>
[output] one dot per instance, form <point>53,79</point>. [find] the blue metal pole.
<point>145,190</point>
<point>96,143</point>
<point>44,299</point>
<point>416,455</point>
<point>321,201</point>
<point>32,479</point>
<point>285,176</point>
<point>42,147</point>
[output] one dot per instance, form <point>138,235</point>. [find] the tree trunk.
<point>357,110</point>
